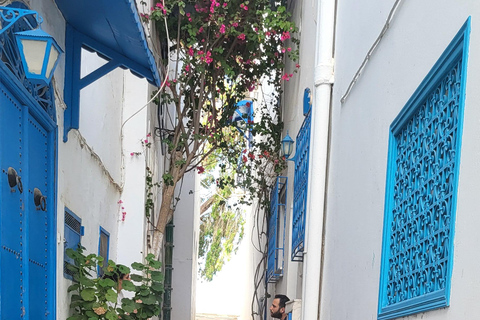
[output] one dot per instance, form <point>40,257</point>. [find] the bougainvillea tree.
<point>214,52</point>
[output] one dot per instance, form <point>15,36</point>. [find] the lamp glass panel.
<point>52,58</point>
<point>34,53</point>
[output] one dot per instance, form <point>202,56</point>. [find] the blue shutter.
<point>73,232</point>
<point>300,189</point>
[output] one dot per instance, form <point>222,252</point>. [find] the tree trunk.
<point>166,207</point>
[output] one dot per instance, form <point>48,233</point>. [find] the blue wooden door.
<point>27,274</point>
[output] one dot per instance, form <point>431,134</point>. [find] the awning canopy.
<point>117,26</point>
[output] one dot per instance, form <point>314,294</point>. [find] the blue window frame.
<point>300,186</point>
<point>103,249</point>
<point>73,232</point>
<point>276,230</point>
<point>421,190</point>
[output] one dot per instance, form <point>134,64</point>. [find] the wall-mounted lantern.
<point>287,147</point>
<point>39,52</point>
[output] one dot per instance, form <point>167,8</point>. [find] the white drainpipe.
<point>318,159</point>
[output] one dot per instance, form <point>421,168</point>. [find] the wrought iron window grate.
<point>276,230</point>
<point>300,189</point>
<point>423,165</point>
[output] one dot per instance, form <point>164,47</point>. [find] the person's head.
<point>277,309</point>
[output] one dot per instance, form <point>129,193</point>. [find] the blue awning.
<point>117,26</point>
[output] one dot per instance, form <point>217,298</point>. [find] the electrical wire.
<point>372,49</point>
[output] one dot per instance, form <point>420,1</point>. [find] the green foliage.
<point>97,298</point>
<point>149,188</point>
<point>221,230</point>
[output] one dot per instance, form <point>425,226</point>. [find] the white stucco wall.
<point>185,239</point>
<point>418,35</point>
<point>131,231</point>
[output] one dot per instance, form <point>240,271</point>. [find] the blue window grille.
<point>276,230</point>
<point>103,249</point>
<point>422,178</point>
<point>300,186</point>
<point>73,232</point>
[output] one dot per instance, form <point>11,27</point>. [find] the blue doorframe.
<point>28,139</point>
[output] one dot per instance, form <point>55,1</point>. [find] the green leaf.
<point>73,287</point>
<point>128,305</point>
<point>106,282</point>
<point>155,264</point>
<point>76,297</point>
<point>157,276</point>
<point>111,315</point>
<point>87,282</point>
<point>91,314</point>
<point>111,295</point>
<point>138,266</point>
<point>157,287</point>
<point>76,317</point>
<point>88,294</point>
<point>123,269</point>
<point>150,299</point>
<point>136,277</point>
<point>128,285</point>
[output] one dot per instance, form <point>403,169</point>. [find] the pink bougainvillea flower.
<point>120,201</point>
<point>190,51</point>
<point>132,154</point>
<point>222,28</point>
<point>297,66</point>
<point>146,141</point>
<point>124,214</point>
<point>200,169</point>
<point>149,134</point>
<point>283,50</point>
<point>285,35</point>
<point>224,4</point>
<point>241,36</point>
<point>187,14</point>
<point>289,49</point>
<point>200,30</point>
<point>208,58</point>
<point>268,33</point>
<point>244,159</point>
<point>168,85</point>
<point>285,77</point>
<point>235,24</point>
<point>187,68</point>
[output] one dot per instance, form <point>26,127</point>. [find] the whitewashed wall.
<point>185,239</point>
<point>304,15</point>
<point>419,33</point>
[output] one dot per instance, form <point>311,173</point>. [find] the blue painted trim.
<point>75,41</point>
<point>456,50</point>
<point>53,207</point>
<point>151,60</point>
<point>105,232</point>
<point>26,198</point>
